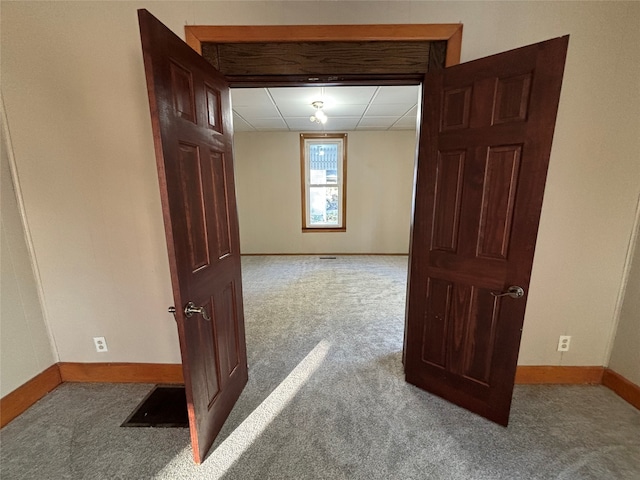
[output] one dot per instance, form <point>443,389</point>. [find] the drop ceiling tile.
<point>341,110</point>
<point>249,96</point>
<point>401,128</point>
<point>405,123</point>
<point>413,112</point>
<point>397,94</point>
<point>256,111</point>
<point>239,125</point>
<point>295,95</point>
<point>388,110</point>
<point>385,122</point>
<point>341,123</point>
<point>296,109</point>
<point>342,105</point>
<point>348,95</point>
<point>269,124</point>
<point>370,128</point>
<point>302,124</point>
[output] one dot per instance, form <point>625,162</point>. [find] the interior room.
<point>84,257</point>
<point>381,126</point>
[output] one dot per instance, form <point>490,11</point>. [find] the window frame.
<point>308,139</point>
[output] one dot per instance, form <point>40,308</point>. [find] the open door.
<point>484,149</point>
<point>192,130</point>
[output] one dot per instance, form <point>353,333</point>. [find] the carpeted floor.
<point>326,399</point>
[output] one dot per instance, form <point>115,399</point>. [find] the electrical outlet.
<point>101,344</point>
<point>563,343</point>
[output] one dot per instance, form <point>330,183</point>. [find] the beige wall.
<point>74,88</point>
<point>25,348</point>
<point>625,355</point>
<point>379,189</point>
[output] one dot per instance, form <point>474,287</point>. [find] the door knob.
<point>513,291</point>
<point>191,308</point>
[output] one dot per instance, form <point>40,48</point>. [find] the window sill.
<point>323,229</point>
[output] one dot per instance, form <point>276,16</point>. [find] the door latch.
<point>513,291</point>
<point>190,309</point>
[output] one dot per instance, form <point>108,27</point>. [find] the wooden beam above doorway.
<point>449,34</point>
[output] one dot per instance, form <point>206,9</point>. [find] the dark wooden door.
<point>483,155</point>
<point>192,129</point>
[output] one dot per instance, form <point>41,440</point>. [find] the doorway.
<point>195,151</point>
<point>442,42</point>
<point>478,150</point>
<point>443,50</point>
<point>386,56</point>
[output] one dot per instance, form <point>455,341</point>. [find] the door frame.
<point>451,33</point>
<point>195,35</point>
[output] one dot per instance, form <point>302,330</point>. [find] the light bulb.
<point>319,116</point>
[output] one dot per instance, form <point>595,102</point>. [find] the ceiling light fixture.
<point>319,116</point>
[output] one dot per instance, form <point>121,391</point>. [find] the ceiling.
<point>347,108</point>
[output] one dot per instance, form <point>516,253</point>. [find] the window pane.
<point>323,163</point>
<point>318,177</point>
<point>323,167</point>
<point>323,203</point>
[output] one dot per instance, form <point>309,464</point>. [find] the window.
<point>323,164</point>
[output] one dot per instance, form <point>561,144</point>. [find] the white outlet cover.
<point>101,344</point>
<point>563,343</point>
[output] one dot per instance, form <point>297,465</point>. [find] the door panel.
<point>448,195</point>
<point>222,226</point>
<point>484,149</point>
<point>191,118</point>
<point>498,197</point>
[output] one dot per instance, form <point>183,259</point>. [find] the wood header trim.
<point>192,40</point>
<point>454,47</point>
<point>626,389</point>
<point>321,33</point>
<point>195,35</point>
<point>122,372</point>
<point>16,402</point>
<point>534,375</point>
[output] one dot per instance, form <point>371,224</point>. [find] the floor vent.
<point>164,406</point>
<point>328,258</point>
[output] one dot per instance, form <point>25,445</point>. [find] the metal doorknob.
<point>191,308</point>
<point>513,291</point>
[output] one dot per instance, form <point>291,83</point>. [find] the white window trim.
<point>310,139</point>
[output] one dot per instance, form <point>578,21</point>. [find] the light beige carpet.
<point>327,399</point>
